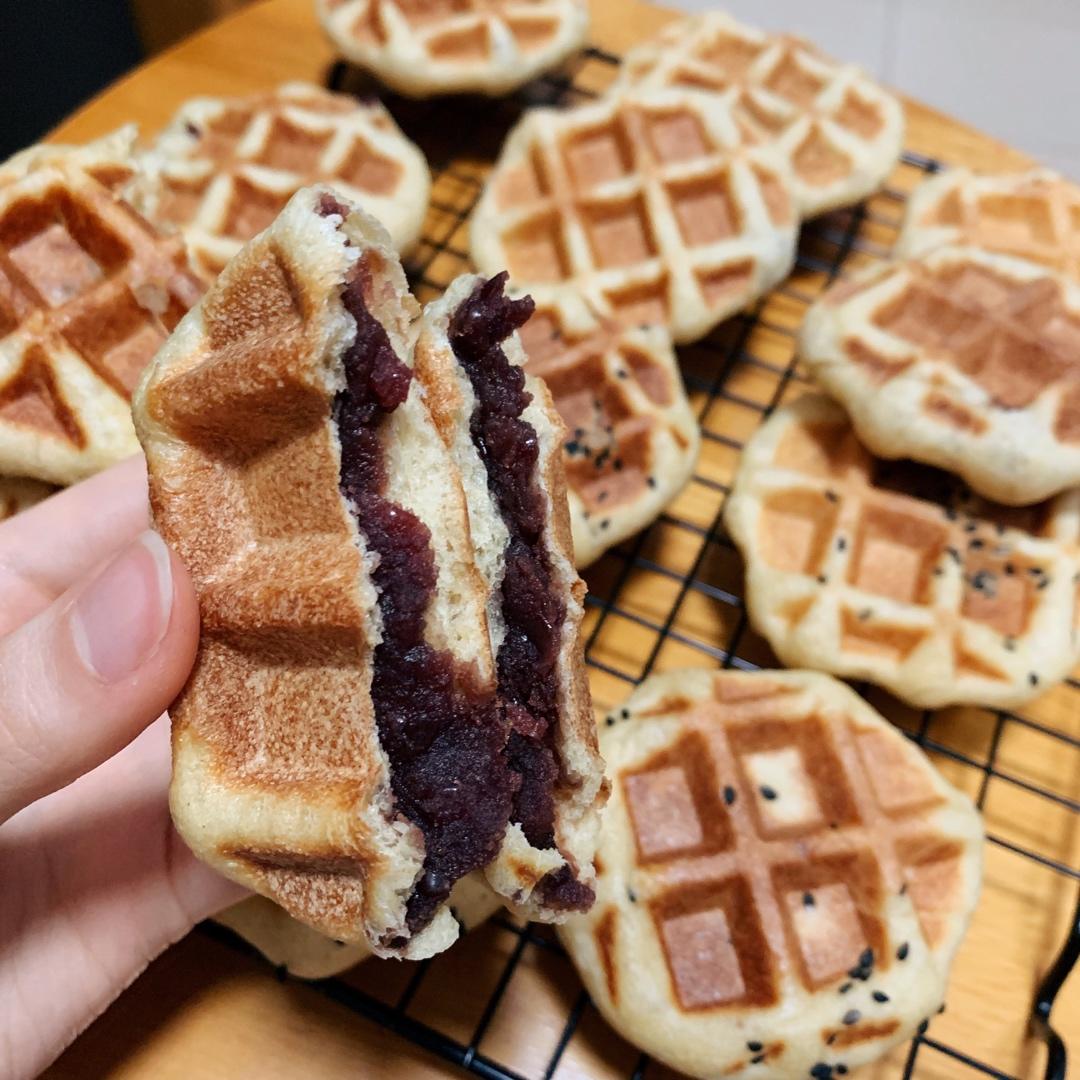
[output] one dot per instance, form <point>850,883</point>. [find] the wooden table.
<point>205,1010</point>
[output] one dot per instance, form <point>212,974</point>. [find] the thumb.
<point>85,676</point>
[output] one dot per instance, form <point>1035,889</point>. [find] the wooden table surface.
<point>205,1010</point>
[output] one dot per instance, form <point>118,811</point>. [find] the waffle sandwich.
<point>631,437</point>
<point>962,359</point>
<point>424,49</point>
<point>354,738</point>
<point>784,878</point>
<point>88,291</point>
<point>1033,215</point>
<point>894,573</point>
<point>839,130</point>
<point>224,167</point>
<point>648,204</point>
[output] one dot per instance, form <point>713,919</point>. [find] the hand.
<point>98,630</point>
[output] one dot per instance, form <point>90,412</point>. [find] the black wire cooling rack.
<point>735,378</point>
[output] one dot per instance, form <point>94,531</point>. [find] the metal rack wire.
<point>828,249</point>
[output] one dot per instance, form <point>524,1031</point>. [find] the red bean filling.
<point>532,608</point>
<point>444,736</point>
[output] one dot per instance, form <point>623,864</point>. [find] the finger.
<point>87,674</point>
<point>46,549</point>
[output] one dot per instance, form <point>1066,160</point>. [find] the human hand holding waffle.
<point>98,631</point>
<point>277,620</point>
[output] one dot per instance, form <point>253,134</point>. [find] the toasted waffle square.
<point>424,49</point>
<point>225,167</point>
<point>88,291</point>
<point>783,878</point>
<point>894,573</point>
<point>962,359</point>
<point>840,131</point>
<point>631,437</point>
<point>648,204</point>
<point>1033,215</point>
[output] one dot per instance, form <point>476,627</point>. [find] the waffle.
<point>1032,215</point>
<point>112,160</point>
<point>423,48</point>
<point>647,204</point>
<point>841,132</point>
<point>632,439</point>
<point>962,359</point>
<point>17,495</point>
<point>350,743</point>
<point>307,954</point>
<point>891,572</point>
<point>224,167</point>
<point>88,291</point>
<point>785,879</point>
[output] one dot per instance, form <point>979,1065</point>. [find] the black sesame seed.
<point>191,129</point>
<point>831,495</point>
<point>729,794</point>
<point>609,720</point>
<point>902,952</point>
<point>757,1059</point>
<point>866,958</point>
<point>976,544</point>
<point>941,1008</point>
<point>954,554</point>
<point>767,792</point>
<point>579,433</point>
<point>1033,678</point>
<point>938,571</point>
<point>1036,571</point>
<point>572,447</point>
<point>631,896</point>
<point>970,527</point>
<point>624,713</point>
<point>923,1026</point>
<point>1010,644</point>
<point>620,373</point>
<point>841,543</point>
<point>841,1069</point>
<point>865,614</point>
<point>846,987</point>
<point>880,997</point>
<point>605,523</point>
<point>821,1071</point>
<point>754,1047</point>
<point>903,889</point>
<point>617,465</point>
<point>808,899</point>
<point>852,1016</point>
<point>822,579</point>
<point>830,1039</point>
<point>651,481</point>
<point>1010,569</point>
<point>1043,582</point>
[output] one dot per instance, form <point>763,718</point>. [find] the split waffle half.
<point>1033,215</point>
<point>784,878</point>
<point>893,573</point>
<point>304,952</point>
<point>649,204</point>
<point>224,167</point>
<point>17,495</point>
<point>841,132</point>
<point>962,359</point>
<point>423,48</point>
<point>88,291</point>
<point>631,437</point>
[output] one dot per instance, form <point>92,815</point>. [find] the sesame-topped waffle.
<point>783,878</point>
<point>632,439</point>
<point>962,359</point>
<point>224,167</point>
<point>1033,215</point>
<point>88,291</point>
<point>424,48</point>
<point>17,494</point>
<point>304,952</point>
<point>892,572</point>
<point>841,132</point>
<point>649,204</point>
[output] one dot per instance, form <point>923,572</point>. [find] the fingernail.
<point>119,619</point>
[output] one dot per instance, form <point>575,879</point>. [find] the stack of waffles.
<point>88,291</point>
<point>962,354</point>
<point>674,202</point>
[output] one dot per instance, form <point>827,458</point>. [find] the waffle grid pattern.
<point>734,378</point>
